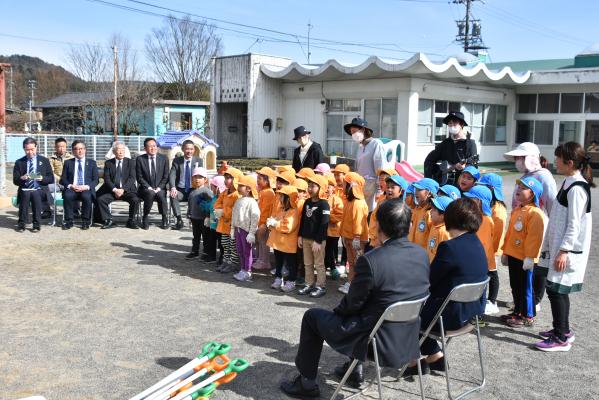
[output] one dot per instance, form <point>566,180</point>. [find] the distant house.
<point>91,113</point>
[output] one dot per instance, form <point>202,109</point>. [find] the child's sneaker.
<point>243,276</point>
<point>289,286</point>
<point>277,283</point>
<point>344,288</point>
<point>491,308</point>
<point>306,290</point>
<point>520,322</point>
<point>318,292</point>
<point>552,343</point>
<point>570,336</point>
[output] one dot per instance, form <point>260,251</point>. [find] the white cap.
<point>524,149</point>
<point>200,171</point>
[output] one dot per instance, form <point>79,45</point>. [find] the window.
<point>341,112</point>
<point>527,103</point>
<point>571,103</point>
<point>591,103</point>
<point>425,118</point>
<point>389,119</point>
<point>539,132</point>
<point>548,103</point>
<point>494,124</point>
<point>568,131</point>
<point>372,114</point>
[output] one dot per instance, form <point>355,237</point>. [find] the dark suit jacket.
<point>142,169</point>
<point>128,175</point>
<point>314,156</point>
<point>90,173</point>
<point>459,260</point>
<point>397,271</point>
<point>43,167</point>
<point>178,168</point>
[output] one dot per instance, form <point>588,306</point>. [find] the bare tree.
<point>180,53</point>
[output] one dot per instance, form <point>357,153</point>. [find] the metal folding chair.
<point>402,311</point>
<point>465,293</point>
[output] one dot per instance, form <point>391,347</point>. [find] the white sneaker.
<point>243,276</point>
<point>344,288</point>
<point>491,308</point>
<point>289,286</point>
<point>277,283</point>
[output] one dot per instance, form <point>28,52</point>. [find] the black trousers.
<point>343,255</point>
<point>210,241</point>
<point>107,198</point>
<point>288,259</point>
<point>539,281</point>
<point>70,198</point>
<point>197,228</point>
<point>560,310</point>
<point>493,286</point>
<point>331,252</point>
<point>312,336</point>
<point>149,196</point>
<point>521,284</point>
<point>33,198</point>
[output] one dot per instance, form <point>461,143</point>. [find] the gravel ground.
<point>104,314</point>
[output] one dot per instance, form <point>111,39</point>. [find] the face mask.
<point>358,137</point>
<point>520,166</point>
<point>454,130</point>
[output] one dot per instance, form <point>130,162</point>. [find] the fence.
<point>97,145</point>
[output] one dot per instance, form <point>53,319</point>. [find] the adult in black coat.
<point>459,150</point>
<point>308,154</point>
<point>152,176</point>
<point>119,184</point>
<point>30,190</point>
<point>378,283</point>
<point>79,178</point>
<point>459,260</point>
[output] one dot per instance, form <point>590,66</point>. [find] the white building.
<point>258,100</point>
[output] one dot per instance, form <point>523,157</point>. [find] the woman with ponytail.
<point>567,242</point>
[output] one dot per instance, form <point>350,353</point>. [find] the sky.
<point>345,30</point>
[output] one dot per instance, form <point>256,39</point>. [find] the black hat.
<point>358,123</point>
<point>299,132</point>
<point>455,115</point>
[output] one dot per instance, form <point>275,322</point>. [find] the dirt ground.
<point>103,314</point>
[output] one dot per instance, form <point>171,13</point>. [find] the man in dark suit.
<point>79,179</point>
<point>119,184</point>
<point>31,173</point>
<point>308,154</point>
<point>377,284</point>
<point>180,178</point>
<point>152,176</point>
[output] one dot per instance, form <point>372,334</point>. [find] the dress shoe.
<point>145,224</point>
<point>67,226</point>
<point>108,224</point>
<point>47,214</point>
<point>299,389</point>
<point>131,224</point>
<point>20,228</point>
<point>413,370</point>
<point>356,378</point>
<point>164,224</point>
<point>179,224</point>
<point>35,229</point>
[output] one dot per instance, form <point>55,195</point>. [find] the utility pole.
<point>31,84</point>
<point>10,88</point>
<point>115,114</point>
<point>469,29</point>
<point>310,26</point>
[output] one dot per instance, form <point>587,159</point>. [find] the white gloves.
<point>250,238</point>
<point>218,212</point>
<point>356,244</point>
<point>528,264</point>
<point>271,222</point>
<point>504,259</point>
<point>316,247</point>
<point>207,222</point>
<point>232,233</point>
<point>300,242</point>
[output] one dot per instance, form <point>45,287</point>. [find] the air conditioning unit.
<point>286,153</point>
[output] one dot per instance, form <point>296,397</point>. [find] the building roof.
<point>77,99</point>
<point>418,65</point>
<point>181,102</point>
<point>170,139</point>
<point>534,65</point>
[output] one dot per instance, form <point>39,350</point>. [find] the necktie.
<point>30,171</point>
<point>153,171</point>
<point>119,174</point>
<point>187,177</point>
<point>79,173</point>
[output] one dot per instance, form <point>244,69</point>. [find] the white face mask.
<point>358,136</point>
<point>454,130</point>
<point>521,165</point>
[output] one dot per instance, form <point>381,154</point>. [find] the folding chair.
<point>465,293</point>
<point>402,311</point>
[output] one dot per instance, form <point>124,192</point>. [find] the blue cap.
<point>450,191</point>
<point>482,193</point>
<point>442,202</point>
<point>534,185</point>
<point>427,184</point>
<point>472,171</point>
<point>399,180</point>
<point>493,182</point>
